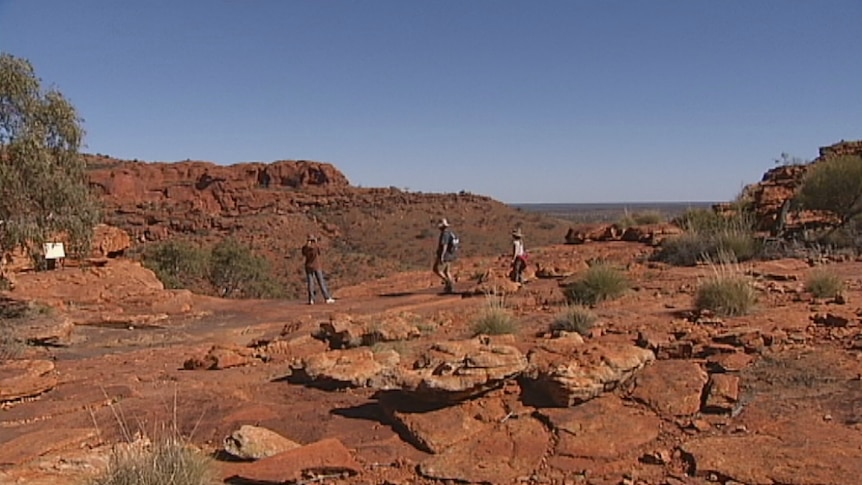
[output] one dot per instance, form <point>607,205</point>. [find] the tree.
<point>237,272</point>
<point>44,190</point>
<point>834,185</point>
<point>178,264</point>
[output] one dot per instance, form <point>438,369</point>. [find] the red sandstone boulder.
<point>570,372</point>
<point>26,378</point>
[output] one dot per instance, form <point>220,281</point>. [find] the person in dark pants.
<point>519,256</point>
<point>314,270</point>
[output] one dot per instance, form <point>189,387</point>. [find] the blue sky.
<point>545,101</point>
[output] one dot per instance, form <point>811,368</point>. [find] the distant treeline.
<point>611,212</point>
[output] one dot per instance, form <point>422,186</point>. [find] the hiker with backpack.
<point>314,270</point>
<point>447,252</point>
<point>519,257</point>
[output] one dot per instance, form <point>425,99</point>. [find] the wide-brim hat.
<point>312,237</point>
<point>443,223</point>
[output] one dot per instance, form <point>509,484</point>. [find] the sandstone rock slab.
<point>671,387</point>
<point>26,378</point>
<point>834,457</point>
<point>571,373</point>
<point>722,393</point>
<point>499,455</point>
<point>254,442</point>
<point>435,428</point>
<point>358,367</point>
<point>325,457</point>
<point>602,428</point>
<point>457,370</point>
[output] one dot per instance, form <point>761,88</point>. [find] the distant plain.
<point>611,212</point>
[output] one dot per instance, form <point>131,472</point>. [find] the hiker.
<point>447,247</point>
<point>519,256</point>
<point>314,271</point>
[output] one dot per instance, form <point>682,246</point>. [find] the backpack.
<point>454,245</point>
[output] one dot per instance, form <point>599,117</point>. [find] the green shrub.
<point>726,294</point>
<point>834,185</point>
<point>700,220</point>
<point>495,318</point>
<point>237,272</point>
<point>823,283</point>
<point>686,249</point>
<point>739,243</point>
<point>600,282</point>
<point>167,462</point>
<point>707,234</point>
<point>177,264</point>
<point>575,318</point>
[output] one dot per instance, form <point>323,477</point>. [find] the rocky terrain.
<point>367,232</point>
<point>389,385</point>
<point>779,184</point>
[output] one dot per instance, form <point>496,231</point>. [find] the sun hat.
<point>517,233</point>
<point>312,237</point>
<point>443,223</point>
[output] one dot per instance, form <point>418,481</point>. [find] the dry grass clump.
<point>823,283</point>
<point>495,318</point>
<point>708,234</point>
<point>11,346</point>
<point>166,462</point>
<point>574,319</point>
<point>727,293</point>
<point>640,219</point>
<point>600,282</point>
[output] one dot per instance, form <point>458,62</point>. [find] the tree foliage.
<point>43,184</point>
<point>834,185</point>
<point>237,272</point>
<point>178,264</point>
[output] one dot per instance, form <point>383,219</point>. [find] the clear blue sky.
<point>525,101</point>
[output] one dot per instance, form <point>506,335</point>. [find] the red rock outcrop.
<point>365,232</point>
<point>780,184</point>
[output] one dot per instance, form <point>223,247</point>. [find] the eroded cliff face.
<point>366,232</point>
<point>780,184</point>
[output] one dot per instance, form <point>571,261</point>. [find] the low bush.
<point>707,234</point>
<point>726,293</point>
<point>575,318</point>
<point>640,218</point>
<point>237,272</point>
<point>600,282</point>
<point>177,264</point>
<point>495,318</point>
<point>823,283</point>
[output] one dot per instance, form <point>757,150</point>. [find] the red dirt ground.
<point>796,418</point>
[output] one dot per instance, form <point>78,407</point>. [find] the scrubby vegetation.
<point>707,234</point>
<point>823,283</point>
<point>495,318</point>
<point>166,462</point>
<point>600,282</point>
<point>178,264</point>
<point>10,346</point>
<point>835,186</point>
<point>727,293</point>
<point>230,268</point>
<point>640,218</point>
<point>575,319</point>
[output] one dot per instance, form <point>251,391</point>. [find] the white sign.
<point>54,251</point>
